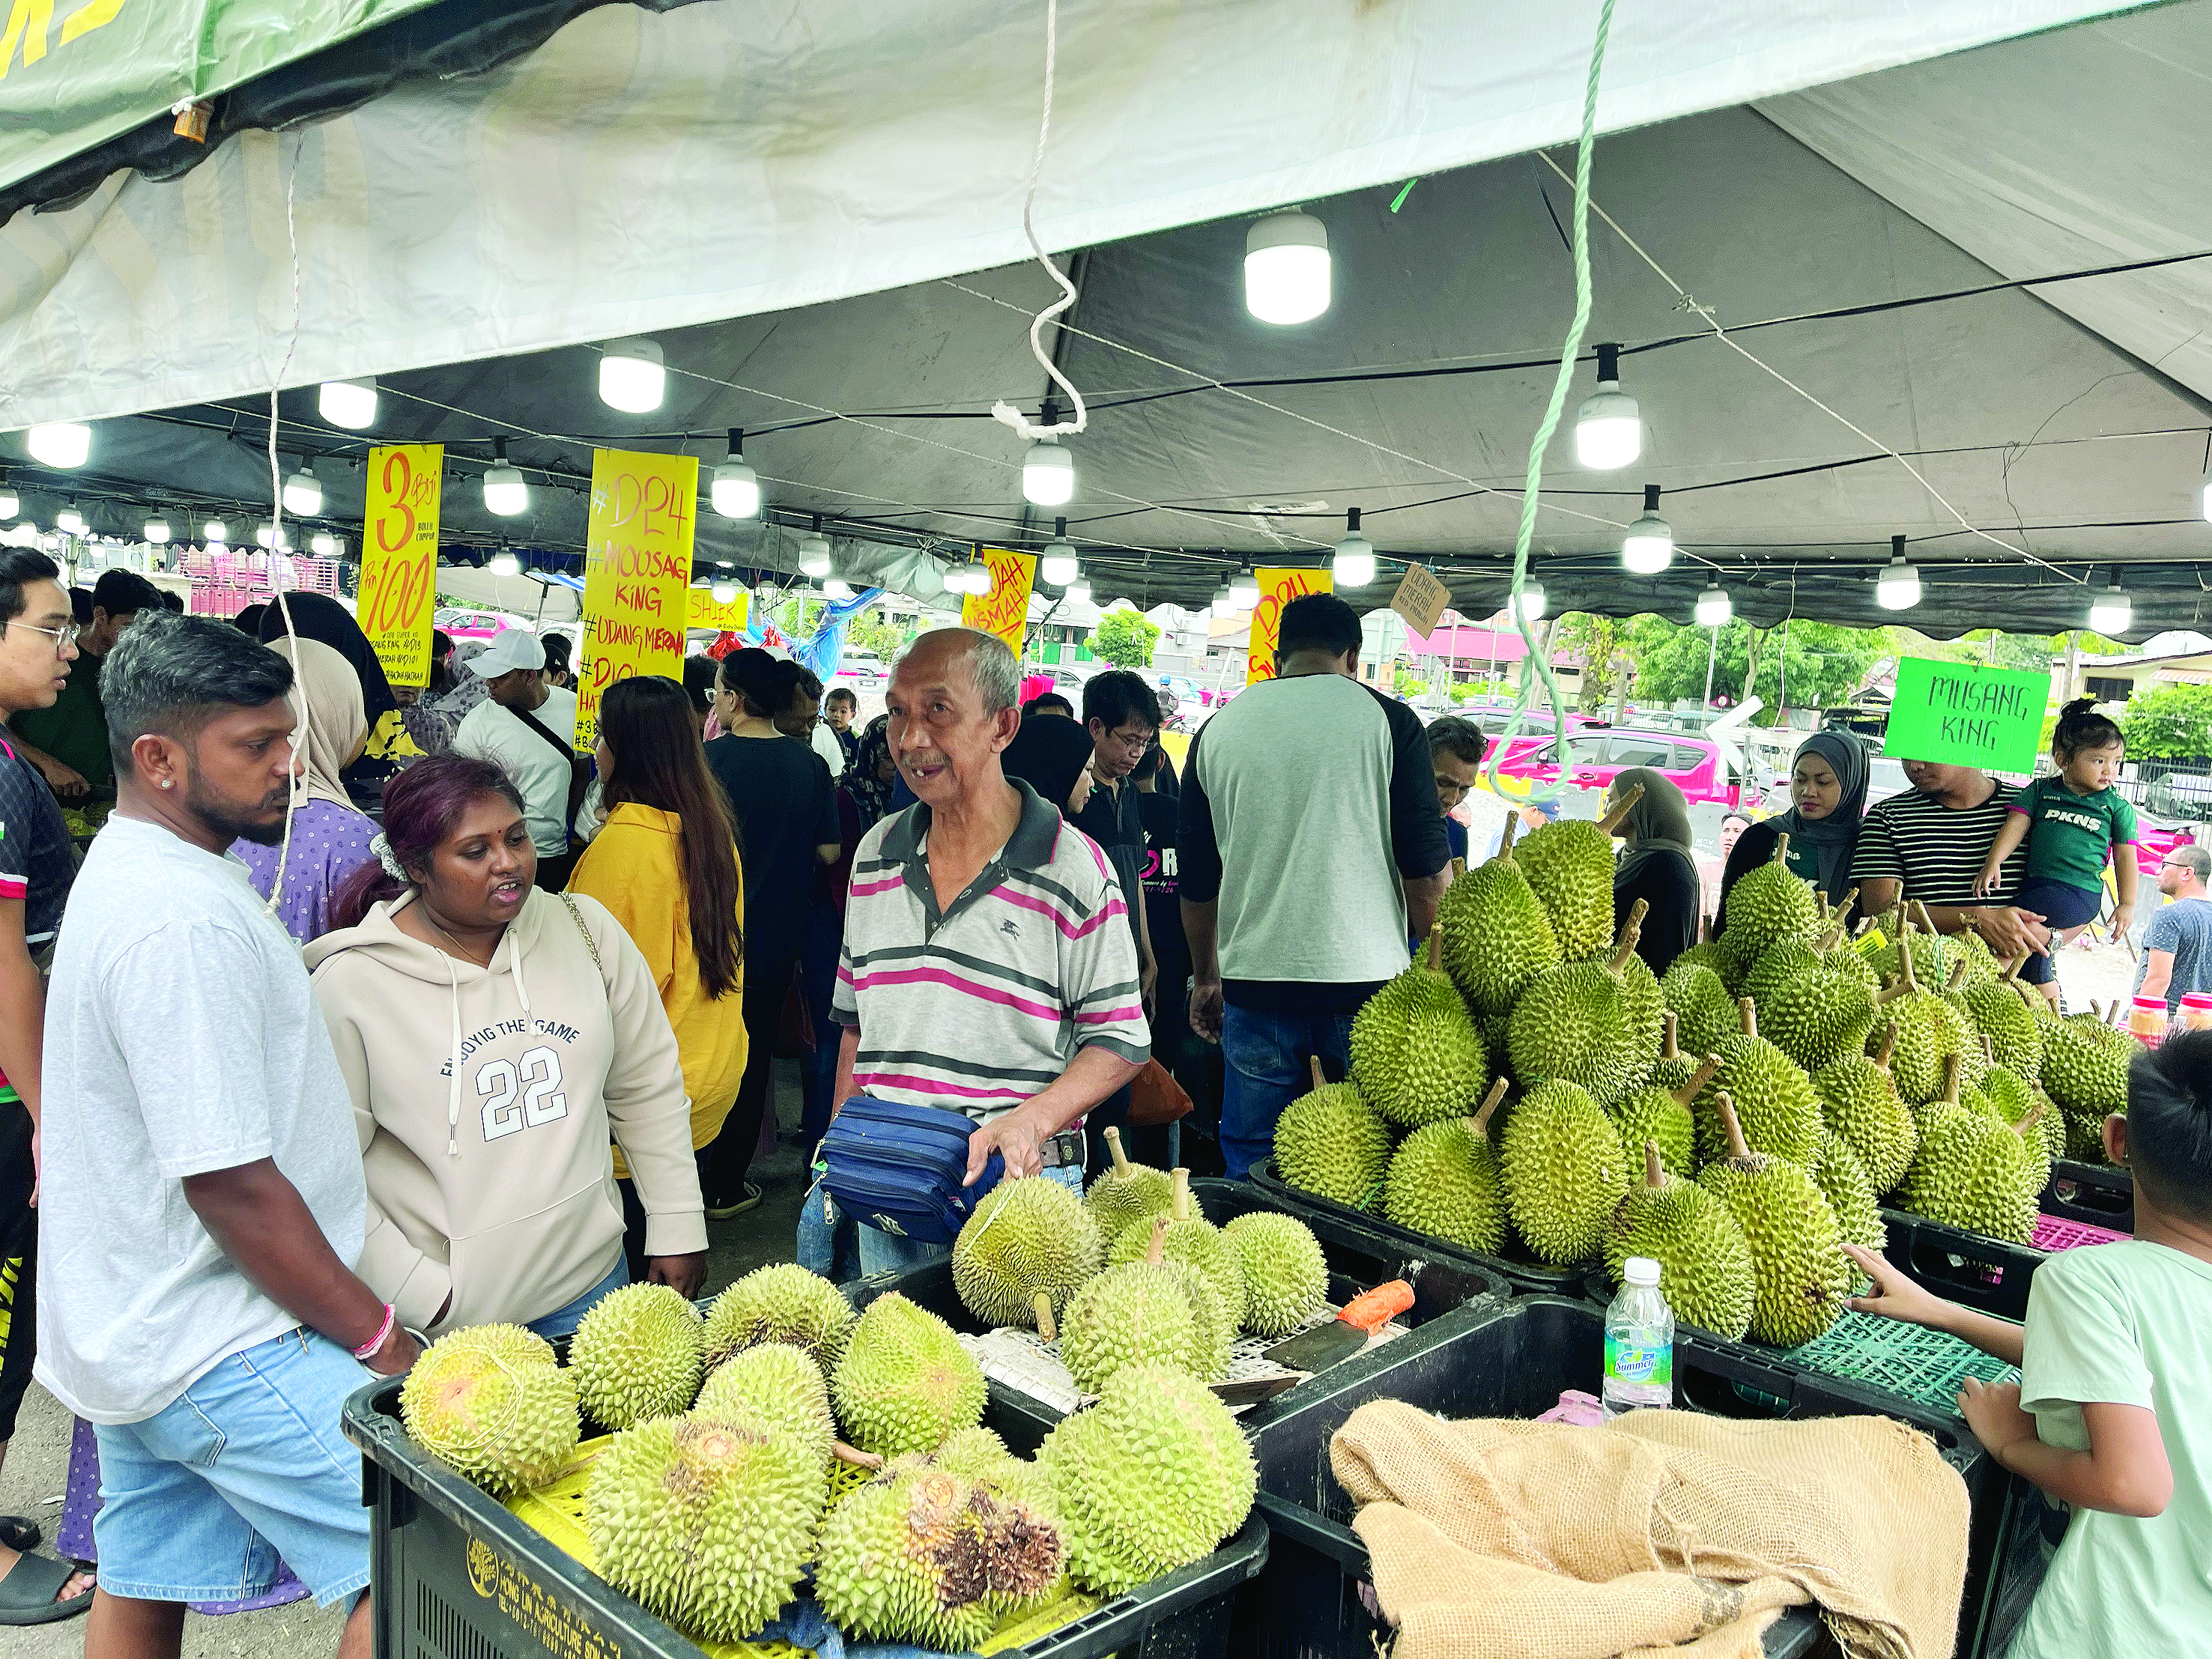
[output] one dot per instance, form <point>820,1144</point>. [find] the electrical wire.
<point>1007,412</point>
<point>295,780</point>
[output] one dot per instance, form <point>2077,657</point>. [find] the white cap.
<point>510,648</point>
<point>1640,1270</point>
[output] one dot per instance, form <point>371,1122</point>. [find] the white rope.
<point>1004,411</point>
<point>296,781</point>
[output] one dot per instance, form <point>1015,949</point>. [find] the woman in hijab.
<point>328,837</point>
<point>1053,758</point>
<point>1827,801</point>
<point>867,780</point>
<point>1657,867</point>
<point>316,616</point>
<point>437,715</point>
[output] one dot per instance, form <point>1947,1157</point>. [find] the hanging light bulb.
<point>59,443</point>
<point>1648,547</point>
<point>1533,601</point>
<point>505,490</point>
<point>1286,268</point>
<point>1078,591</point>
<point>348,404</point>
<point>975,575</point>
<point>1898,588</point>
<point>1608,430</point>
<point>323,544</point>
<point>10,504</point>
<point>215,533</point>
<point>737,487</point>
<point>1353,565</point>
<point>814,552</point>
<point>157,531</point>
<point>724,590</point>
<point>1244,590</point>
<point>1715,608</point>
<point>264,534</point>
<point>1059,565</point>
<point>836,587</point>
<point>70,520</point>
<point>1048,470</point>
<point>2112,612</point>
<point>505,563</point>
<point>303,491</point>
<point>2204,495</point>
<point>631,376</point>
<point>1220,601</point>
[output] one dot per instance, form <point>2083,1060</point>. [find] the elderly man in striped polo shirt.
<point>988,964</point>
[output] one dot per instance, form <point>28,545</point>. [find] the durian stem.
<point>1829,940</point>
<point>855,1456</point>
<point>1905,957</point>
<point>1505,841</point>
<point>2012,969</point>
<point>1481,1119</point>
<point>1888,1045</point>
<point>1927,922</point>
<point>1043,1302</point>
<point>1747,1011</point>
<point>2027,1119</point>
<point>1738,1147</point>
<point>1437,948</point>
<point>1314,1063</point>
<point>1618,813</point>
<point>1707,1069</point>
<point>1844,905</point>
<point>1121,1165</point>
<point>1459,869</point>
<point>1181,1194</point>
<point>1627,946</point>
<point>1654,1172</point>
<point>2096,1009</point>
<point>1953,1068</point>
<point>1782,848</point>
<point>1958,973</point>
<point>1860,932</point>
<point>1988,1048</point>
<point>1156,1250</point>
<point>1667,1048</point>
<point>1889,992</point>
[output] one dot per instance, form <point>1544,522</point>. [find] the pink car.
<point>1595,756</point>
<point>476,624</point>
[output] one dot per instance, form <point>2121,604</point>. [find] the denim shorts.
<point>198,1501</point>
<point>562,1321</point>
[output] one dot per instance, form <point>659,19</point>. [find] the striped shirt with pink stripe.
<point>980,1007</point>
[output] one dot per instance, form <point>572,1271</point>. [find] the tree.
<point>2171,722</point>
<point>1124,639</point>
<point>1821,663</point>
<point>873,631</point>
<point>1602,643</point>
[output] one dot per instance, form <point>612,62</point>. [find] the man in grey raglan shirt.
<point>1311,849</point>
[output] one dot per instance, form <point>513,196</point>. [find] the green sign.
<point>1958,714</point>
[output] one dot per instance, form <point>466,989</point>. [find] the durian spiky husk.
<point>1444,1180</point>
<point>1796,1247</point>
<point>781,1302</point>
<point>1286,1275</point>
<point>1333,1144</point>
<point>905,1383</point>
<point>1415,1055</point>
<point>1565,1171</point>
<point>1498,936</point>
<point>486,1401</point>
<point>1126,1193</point>
<point>1026,1236</point>
<point>1705,1264</point>
<point>637,1355</point>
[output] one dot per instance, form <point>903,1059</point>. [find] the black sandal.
<point>20,1533</point>
<point>27,1591</point>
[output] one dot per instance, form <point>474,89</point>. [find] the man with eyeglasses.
<point>1122,714</point>
<point>2177,955</point>
<point>68,741</point>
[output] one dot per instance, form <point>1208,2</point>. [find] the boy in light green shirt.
<point>2111,1414</point>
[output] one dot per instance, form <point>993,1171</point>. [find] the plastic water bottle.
<point>1639,1342</point>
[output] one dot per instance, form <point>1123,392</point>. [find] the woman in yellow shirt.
<point>666,863</point>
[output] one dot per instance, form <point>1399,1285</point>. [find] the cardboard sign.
<point>703,609</point>
<point>1277,589</point>
<point>1958,714</point>
<point>1421,599</point>
<point>637,564</point>
<point>399,558</point>
<point>1005,610</point>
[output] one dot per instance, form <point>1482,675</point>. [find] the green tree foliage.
<point>2169,721</point>
<point>1602,643</point>
<point>1124,639</point>
<point>873,631</point>
<point>1823,663</point>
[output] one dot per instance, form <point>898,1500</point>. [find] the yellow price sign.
<point>1277,589</point>
<point>637,565</point>
<point>1005,610</point>
<point>703,609</point>
<point>399,558</point>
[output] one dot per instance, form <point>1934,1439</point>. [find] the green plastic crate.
<point>1927,1367</point>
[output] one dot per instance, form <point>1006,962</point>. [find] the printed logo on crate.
<point>532,1607</point>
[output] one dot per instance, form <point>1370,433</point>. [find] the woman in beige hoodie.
<point>495,1038</point>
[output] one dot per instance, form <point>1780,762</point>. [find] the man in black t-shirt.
<point>1123,717</point>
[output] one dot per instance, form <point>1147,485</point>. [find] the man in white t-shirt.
<point>528,728</point>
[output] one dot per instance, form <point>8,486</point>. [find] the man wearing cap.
<point>528,728</point>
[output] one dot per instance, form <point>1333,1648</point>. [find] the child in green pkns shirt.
<point>2110,1414</point>
<point>2070,822</point>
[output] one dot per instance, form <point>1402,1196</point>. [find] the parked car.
<point>1594,758</point>
<point>863,668</point>
<point>476,624</point>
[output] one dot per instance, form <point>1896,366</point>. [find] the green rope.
<point>1535,665</point>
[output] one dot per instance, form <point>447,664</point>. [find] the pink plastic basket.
<point>2053,1233</point>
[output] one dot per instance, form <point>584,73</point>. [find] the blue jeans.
<point>887,1253</point>
<point>818,1072</point>
<point>2061,905</point>
<point>829,1242</point>
<point>1267,1056</point>
<point>562,1321</point>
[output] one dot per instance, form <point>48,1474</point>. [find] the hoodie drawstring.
<point>453,1066</point>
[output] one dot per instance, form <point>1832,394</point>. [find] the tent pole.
<point>1711,653</point>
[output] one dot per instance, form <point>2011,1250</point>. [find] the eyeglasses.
<point>63,637</point>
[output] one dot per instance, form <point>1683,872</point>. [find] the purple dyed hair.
<point>422,806</point>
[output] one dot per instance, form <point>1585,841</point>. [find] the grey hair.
<point>169,673</point>
<point>992,668</point>
<point>2198,860</point>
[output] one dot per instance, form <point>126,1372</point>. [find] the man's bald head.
<point>993,671</point>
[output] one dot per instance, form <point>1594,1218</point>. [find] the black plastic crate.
<point>1983,1274</point>
<point>1515,1265</point>
<point>1515,1362</point>
<point>2095,1194</point>
<point>1357,1260</point>
<point>456,1576</point>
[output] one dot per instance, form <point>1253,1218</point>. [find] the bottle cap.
<point>1640,1270</point>
<point>2151,1004</point>
<point>2198,1000</point>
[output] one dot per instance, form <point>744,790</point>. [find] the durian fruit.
<point>1974,1174</point>
<point>781,1302</point>
<point>928,1557</point>
<point>1859,1100</point>
<point>1704,1007</point>
<point>1844,1182</point>
<point>635,1355</point>
<point>708,1521</point>
<point>1415,1053</point>
<point>2085,1065</point>
<point>1644,1006</point>
<point>1797,1247</point>
<point>488,1402</point>
<point>2011,1099</point>
<point>1027,1236</point>
<point>1774,1099</point>
<point>905,1382</point>
<point>1151,1478</point>
<point>1663,1117</point>
<point>1565,1171</point>
<point>1704,1265</point>
<point>1192,1238</point>
<point>1497,937</point>
<point>1672,1068</point>
<point>1444,1181</point>
<point>1147,1312</point>
<point>1999,1012</point>
<point>1931,955</point>
<point>1811,1007</point>
<point>1768,905</point>
<point>1286,1275</point>
<point>1969,947</point>
<point>1330,1142</point>
<point>778,1384</point>
<point>1577,1024</point>
<point>1568,864</point>
<point>1713,955</point>
<point>1126,1193</point>
<point>1929,1030</point>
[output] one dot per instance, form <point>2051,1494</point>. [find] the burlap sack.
<point>1661,1533</point>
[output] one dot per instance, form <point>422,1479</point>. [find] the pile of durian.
<point>713,1501</point>
<point>1738,1121</point>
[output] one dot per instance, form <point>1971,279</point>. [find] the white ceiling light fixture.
<point>506,492</point>
<point>303,491</point>
<point>736,493</point>
<point>1058,564</point>
<point>814,552</point>
<point>1533,603</point>
<point>1244,590</point>
<point>1047,470</point>
<point>215,533</point>
<point>59,443</point>
<point>976,574</point>
<point>1079,590</point>
<point>1286,268</point>
<point>1715,608</point>
<point>348,404</point>
<point>323,544</point>
<point>1352,564</point>
<point>632,376</point>
<point>70,520</point>
<point>2112,612</point>
<point>836,587</point>
<point>1648,547</point>
<point>1221,599</point>
<point>2204,495</point>
<point>1608,428</point>
<point>724,590</point>
<point>157,531</point>
<point>1898,588</point>
<point>505,563</point>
